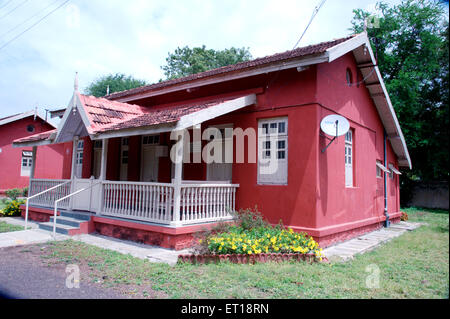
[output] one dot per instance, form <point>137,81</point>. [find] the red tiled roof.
<point>103,113</point>
<point>35,137</point>
<point>161,115</point>
<point>259,62</point>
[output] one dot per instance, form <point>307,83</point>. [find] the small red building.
<point>145,177</point>
<point>16,163</point>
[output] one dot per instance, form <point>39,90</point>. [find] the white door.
<point>97,159</point>
<point>149,164</point>
<point>221,170</point>
<point>97,162</point>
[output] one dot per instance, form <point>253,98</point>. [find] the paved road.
<point>22,276</point>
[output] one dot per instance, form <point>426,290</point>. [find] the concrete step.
<point>60,228</point>
<point>69,221</point>
<point>76,215</point>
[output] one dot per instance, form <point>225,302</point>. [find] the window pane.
<point>281,154</point>
<point>265,128</point>
<point>266,145</point>
<point>267,154</point>
<point>281,127</point>
<point>156,139</point>
<point>273,128</point>
<point>281,144</point>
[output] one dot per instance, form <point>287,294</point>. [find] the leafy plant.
<point>12,209</point>
<point>25,192</point>
<point>250,218</point>
<point>13,193</point>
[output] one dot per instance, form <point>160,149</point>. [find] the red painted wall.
<point>49,160</point>
<point>338,204</point>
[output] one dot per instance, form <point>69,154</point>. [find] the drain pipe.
<point>387,222</point>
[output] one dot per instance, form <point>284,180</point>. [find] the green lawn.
<point>414,265</point>
<point>4,227</point>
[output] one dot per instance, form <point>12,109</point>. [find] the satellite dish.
<point>334,125</point>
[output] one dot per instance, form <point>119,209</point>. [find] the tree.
<point>186,61</point>
<point>116,82</point>
<point>411,45</point>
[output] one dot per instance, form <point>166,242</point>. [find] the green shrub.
<point>250,218</point>
<point>13,208</point>
<point>13,193</point>
<point>25,192</point>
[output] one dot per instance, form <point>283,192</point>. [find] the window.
<point>349,77</point>
<point>349,159</point>
<point>380,169</point>
<point>273,151</point>
<point>26,163</point>
<point>30,128</point>
<point>150,139</point>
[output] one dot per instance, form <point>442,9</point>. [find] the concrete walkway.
<point>359,245</point>
<point>36,236</point>
<point>151,253</point>
<point>27,237</point>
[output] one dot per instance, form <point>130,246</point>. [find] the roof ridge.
<point>230,66</point>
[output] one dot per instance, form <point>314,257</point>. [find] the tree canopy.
<point>411,45</point>
<point>186,61</point>
<point>116,82</point>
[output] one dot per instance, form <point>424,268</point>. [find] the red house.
<point>16,163</point>
<point>144,178</point>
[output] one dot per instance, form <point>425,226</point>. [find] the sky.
<point>134,37</point>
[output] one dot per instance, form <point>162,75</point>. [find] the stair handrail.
<point>65,197</point>
<point>36,195</point>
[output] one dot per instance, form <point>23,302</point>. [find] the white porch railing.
<point>151,202</point>
<point>141,201</point>
<point>206,202</point>
<point>154,202</point>
<point>48,197</point>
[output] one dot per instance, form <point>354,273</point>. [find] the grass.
<point>414,265</point>
<point>5,227</point>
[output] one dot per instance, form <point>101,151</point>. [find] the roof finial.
<point>75,86</point>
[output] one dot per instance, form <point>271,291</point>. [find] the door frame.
<point>142,155</point>
<point>208,165</point>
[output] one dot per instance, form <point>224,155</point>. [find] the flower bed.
<point>253,239</point>
<point>247,259</point>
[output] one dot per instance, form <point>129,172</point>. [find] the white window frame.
<point>270,138</point>
<point>380,169</point>
<point>79,159</point>
<point>26,163</point>
<point>349,159</point>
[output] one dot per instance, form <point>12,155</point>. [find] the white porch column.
<point>177,157</point>
<point>33,167</point>
<point>104,159</point>
<point>103,173</point>
<point>72,173</point>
